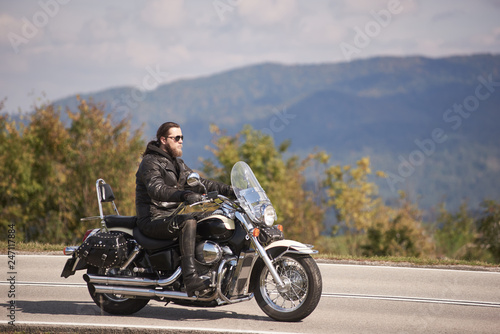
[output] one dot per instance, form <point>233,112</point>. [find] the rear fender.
<point>125,230</point>
<point>72,265</point>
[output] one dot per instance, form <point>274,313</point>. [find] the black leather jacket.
<point>161,185</point>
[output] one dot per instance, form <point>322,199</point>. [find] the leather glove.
<point>191,197</point>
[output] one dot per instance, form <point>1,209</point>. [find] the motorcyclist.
<point>160,187</point>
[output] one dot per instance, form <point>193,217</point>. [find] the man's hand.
<point>191,197</point>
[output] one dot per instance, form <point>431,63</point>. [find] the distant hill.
<point>388,108</point>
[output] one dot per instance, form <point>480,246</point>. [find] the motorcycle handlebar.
<point>207,198</point>
<point>212,195</point>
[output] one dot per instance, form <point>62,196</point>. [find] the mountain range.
<point>430,124</point>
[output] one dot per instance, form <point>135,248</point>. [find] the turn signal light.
<point>70,250</point>
<point>280,227</point>
<point>87,234</point>
<point>256,232</point>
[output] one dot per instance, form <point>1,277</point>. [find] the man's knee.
<point>189,224</point>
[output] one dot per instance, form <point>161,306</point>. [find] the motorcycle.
<point>239,248</point>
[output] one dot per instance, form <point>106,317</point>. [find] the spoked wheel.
<point>301,292</point>
<point>113,303</point>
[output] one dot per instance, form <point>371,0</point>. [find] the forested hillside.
<point>48,170</point>
<point>429,123</point>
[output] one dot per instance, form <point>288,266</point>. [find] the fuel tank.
<point>216,227</point>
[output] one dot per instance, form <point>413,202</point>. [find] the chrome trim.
<point>140,292</point>
<point>85,219</point>
<point>243,273</point>
<point>132,257</point>
<point>70,250</point>
<point>211,252</point>
<point>292,246</point>
<point>99,201</point>
<point>76,264</point>
<point>96,279</point>
<point>220,275</point>
<point>237,300</point>
<point>151,293</point>
<point>260,250</point>
<point>228,210</point>
<point>135,290</point>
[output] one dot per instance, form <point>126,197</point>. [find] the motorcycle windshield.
<point>248,191</point>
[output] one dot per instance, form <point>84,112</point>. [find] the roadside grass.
<point>36,247</point>
<point>32,247</point>
<point>404,261</point>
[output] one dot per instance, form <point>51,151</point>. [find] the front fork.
<point>260,250</point>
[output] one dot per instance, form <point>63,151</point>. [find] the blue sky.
<point>50,49</point>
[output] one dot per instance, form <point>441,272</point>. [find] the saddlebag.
<point>104,250</point>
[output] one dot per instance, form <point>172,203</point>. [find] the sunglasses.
<point>177,138</point>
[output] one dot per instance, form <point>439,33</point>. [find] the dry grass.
<point>36,247</point>
<point>33,247</point>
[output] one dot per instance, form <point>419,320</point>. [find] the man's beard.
<point>174,153</point>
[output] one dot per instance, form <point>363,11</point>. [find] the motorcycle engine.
<point>208,252</point>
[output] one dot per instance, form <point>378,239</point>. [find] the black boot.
<point>192,281</point>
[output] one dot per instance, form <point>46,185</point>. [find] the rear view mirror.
<point>193,179</point>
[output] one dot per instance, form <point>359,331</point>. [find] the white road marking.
<point>414,299</point>
<point>325,294</point>
<point>51,284</point>
<point>319,264</point>
<point>143,327</point>
<point>408,268</point>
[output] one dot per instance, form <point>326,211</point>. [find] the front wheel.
<point>301,293</point>
<point>112,303</point>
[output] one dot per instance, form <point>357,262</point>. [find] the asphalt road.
<point>356,299</point>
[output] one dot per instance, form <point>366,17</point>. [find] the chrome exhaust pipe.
<point>134,287</point>
<point>152,293</point>
<point>139,292</point>
<point>133,281</point>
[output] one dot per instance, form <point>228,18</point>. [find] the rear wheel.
<point>301,293</point>
<point>113,303</point>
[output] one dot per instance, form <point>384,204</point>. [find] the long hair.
<point>161,132</point>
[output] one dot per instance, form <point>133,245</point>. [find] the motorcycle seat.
<point>120,221</point>
<point>150,243</point>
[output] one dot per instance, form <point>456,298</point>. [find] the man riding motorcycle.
<point>160,187</point>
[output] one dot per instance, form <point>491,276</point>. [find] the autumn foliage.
<point>49,169</point>
<point>49,165</point>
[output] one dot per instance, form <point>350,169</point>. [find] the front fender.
<point>291,246</point>
<point>274,251</point>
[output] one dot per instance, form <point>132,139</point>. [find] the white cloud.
<point>267,12</point>
<point>320,28</point>
<point>141,54</point>
<point>164,14</point>
<point>8,24</point>
<point>94,45</point>
<point>365,5</point>
<point>18,34</point>
<point>98,29</point>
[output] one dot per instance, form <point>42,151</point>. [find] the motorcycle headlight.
<point>268,215</point>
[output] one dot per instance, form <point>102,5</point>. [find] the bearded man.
<point>160,188</point>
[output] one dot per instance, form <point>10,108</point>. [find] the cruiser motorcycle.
<point>238,247</point>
